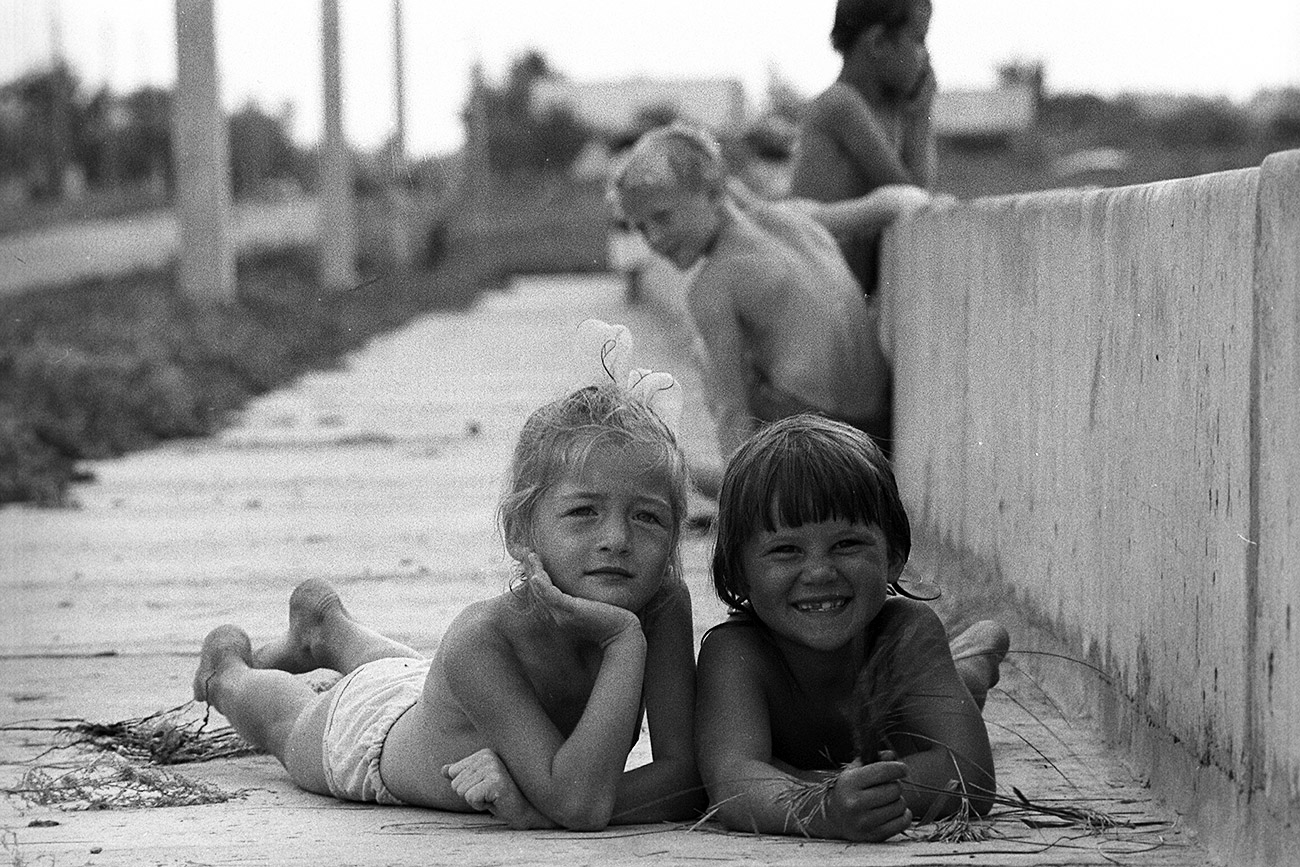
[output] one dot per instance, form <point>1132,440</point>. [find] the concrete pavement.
<point>383,477</point>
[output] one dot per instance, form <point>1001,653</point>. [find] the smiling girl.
<point>823,668</point>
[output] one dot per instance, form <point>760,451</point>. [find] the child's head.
<point>678,156</point>
<point>560,439</point>
<point>854,17</point>
<point>885,41</point>
<point>805,469</point>
<point>670,189</point>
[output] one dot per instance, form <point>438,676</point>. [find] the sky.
<point>269,51</point>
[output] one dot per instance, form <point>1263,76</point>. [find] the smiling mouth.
<point>818,606</point>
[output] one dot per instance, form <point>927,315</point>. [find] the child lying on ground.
<point>829,704</point>
<point>534,698</point>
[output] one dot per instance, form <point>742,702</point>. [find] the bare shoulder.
<point>480,628</point>
<point>673,591</point>
<point>834,98</point>
<point>733,271</point>
<point>671,602</point>
<point>912,615</point>
<point>912,626</point>
<point>737,646</point>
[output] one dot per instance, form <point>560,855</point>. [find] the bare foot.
<point>312,605</point>
<point>224,646</point>
<point>978,652</point>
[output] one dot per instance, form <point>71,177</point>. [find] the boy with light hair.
<point>781,325</point>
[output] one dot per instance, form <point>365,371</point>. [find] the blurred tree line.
<point>54,132</point>
<point>520,139</point>
<point>1185,122</point>
<point>52,129</point>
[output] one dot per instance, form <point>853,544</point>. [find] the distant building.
<point>985,116</point>
<point>617,106</point>
<point>1160,105</point>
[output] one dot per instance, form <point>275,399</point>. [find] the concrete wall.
<point>1096,410</point>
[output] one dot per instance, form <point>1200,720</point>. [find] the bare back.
<point>776,306</point>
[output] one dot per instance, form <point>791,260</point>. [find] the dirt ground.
<point>383,476</point>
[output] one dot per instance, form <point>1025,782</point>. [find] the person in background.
<point>872,126</point>
<point>780,324</point>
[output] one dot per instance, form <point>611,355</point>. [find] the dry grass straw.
<point>963,826</point>
<point>880,694</point>
<point>111,781</point>
<point>124,778</point>
<point>806,801</point>
<point>168,737</point>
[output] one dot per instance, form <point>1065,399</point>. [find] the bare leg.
<point>322,634</point>
<point>978,652</point>
<point>262,705</point>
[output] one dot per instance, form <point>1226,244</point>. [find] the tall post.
<point>58,131</point>
<point>399,90</point>
<point>337,238</point>
<point>475,168</point>
<point>398,205</point>
<point>201,154</point>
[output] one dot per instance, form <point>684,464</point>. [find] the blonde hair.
<point>677,156</point>
<point>561,436</point>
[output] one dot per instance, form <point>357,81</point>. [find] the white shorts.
<point>366,703</point>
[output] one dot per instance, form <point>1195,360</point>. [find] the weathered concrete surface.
<point>383,476</point>
<point>1095,409</point>
<point>1276,600</point>
<point>111,248</point>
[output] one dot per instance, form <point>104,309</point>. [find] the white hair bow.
<point>604,352</point>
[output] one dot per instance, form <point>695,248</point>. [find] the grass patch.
<point>105,367</point>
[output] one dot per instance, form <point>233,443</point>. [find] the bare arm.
<point>669,786</point>
<point>752,791</point>
<point>722,350</point>
<point>919,150</point>
<point>850,124</point>
<point>482,780</point>
<point>867,215</point>
<point>939,732</point>
<point>573,780</point>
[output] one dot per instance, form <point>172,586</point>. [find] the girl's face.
<point>820,584</point>
<point>606,533</point>
<point>678,224</point>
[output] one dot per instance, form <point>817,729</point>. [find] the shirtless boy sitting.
<point>781,325</point>
<point>872,125</point>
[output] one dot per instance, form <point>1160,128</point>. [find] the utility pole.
<point>337,237</point>
<point>201,153</point>
<point>398,206</point>
<point>475,167</point>
<point>399,90</point>
<point>59,128</point>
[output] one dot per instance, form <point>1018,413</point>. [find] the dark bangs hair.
<point>801,470</point>
<point>852,17</point>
